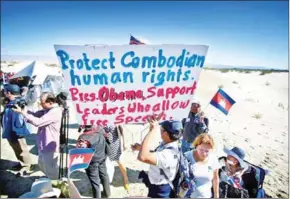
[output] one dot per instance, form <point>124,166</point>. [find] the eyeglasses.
<point>204,150</point>
<point>195,105</point>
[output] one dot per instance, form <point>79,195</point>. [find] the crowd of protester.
<point>184,143</point>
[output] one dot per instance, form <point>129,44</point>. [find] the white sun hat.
<point>42,188</point>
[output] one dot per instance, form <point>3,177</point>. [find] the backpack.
<point>184,183</point>
<point>229,191</point>
<point>260,176</point>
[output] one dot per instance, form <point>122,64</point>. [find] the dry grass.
<point>51,65</point>
<point>249,100</point>
<point>281,105</point>
<point>241,70</point>
<point>257,116</point>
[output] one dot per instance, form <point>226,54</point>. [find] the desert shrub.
<point>257,116</point>
<point>281,105</point>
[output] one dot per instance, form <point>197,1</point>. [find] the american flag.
<point>134,41</point>
<point>6,77</point>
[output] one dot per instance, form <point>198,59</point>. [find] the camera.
<point>61,99</point>
<point>19,102</point>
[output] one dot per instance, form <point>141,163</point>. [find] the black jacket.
<point>250,181</point>
<point>192,127</point>
<point>99,142</point>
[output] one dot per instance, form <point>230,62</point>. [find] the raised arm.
<point>144,154</point>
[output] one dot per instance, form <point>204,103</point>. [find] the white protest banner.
<point>124,84</point>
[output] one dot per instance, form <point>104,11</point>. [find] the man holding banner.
<point>164,159</point>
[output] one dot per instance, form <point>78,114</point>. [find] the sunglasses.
<point>195,105</point>
<point>230,162</point>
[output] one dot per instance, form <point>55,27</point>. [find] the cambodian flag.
<point>235,182</point>
<point>134,41</point>
<point>79,158</point>
<point>222,101</point>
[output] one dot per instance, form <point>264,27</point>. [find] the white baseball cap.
<point>195,101</point>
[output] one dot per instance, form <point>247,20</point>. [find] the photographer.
<point>163,160</point>
<point>48,121</point>
<point>193,126</point>
<point>14,128</point>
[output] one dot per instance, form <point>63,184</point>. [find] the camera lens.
<point>185,184</point>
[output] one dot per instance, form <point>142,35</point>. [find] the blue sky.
<point>238,33</point>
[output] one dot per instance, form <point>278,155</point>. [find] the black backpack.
<point>228,191</point>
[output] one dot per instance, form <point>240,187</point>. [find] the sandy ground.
<point>258,123</point>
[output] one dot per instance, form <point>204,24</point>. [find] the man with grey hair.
<point>48,122</point>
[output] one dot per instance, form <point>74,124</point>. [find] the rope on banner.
<point>133,134</point>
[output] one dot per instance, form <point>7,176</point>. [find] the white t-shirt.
<point>203,173</point>
<point>167,160</point>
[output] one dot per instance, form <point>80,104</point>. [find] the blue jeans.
<point>159,191</point>
<point>185,146</point>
